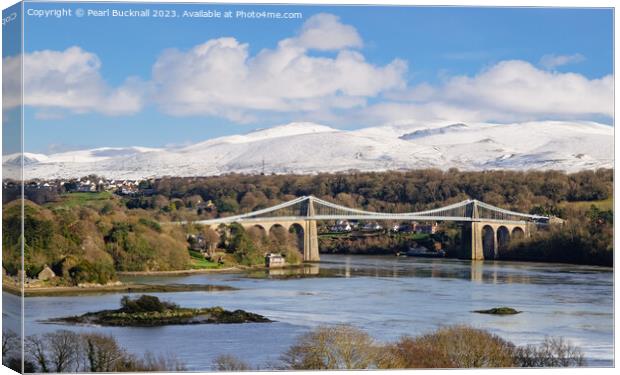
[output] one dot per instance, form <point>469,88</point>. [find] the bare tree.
<point>152,362</point>
<point>227,362</point>
<point>449,347</point>
<point>212,239</point>
<point>10,343</point>
<point>332,347</point>
<point>64,350</point>
<point>279,236</point>
<point>552,352</point>
<point>35,350</point>
<point>101,353</point>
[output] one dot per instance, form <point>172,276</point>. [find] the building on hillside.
<point>46,274</point>
<point>273,260</point>
<point>371,227</point>
<point>426,228</point>
<point>197,242</point>
<point>341,226</point>
<point>87,187</point>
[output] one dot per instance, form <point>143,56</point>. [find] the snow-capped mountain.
<point>310,148</point>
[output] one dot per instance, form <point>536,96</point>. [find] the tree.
<point>279,236</point>
<point>35,350</point>
<point>102,353</point>
<point>227,362</point>
<point>552,352</point>
<point>330,348</point>
<point>151,362</point>
<point>212,239</point>
<point>242,246</point>
<point>65,351</point>
<point>409,353</point>
<point>248,202</point>
<point>145,303</point>
<point>10,343</point>
<point>11,351</point>
<point>449,347</point>
<point>63,348</point>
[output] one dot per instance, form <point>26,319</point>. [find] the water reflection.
<point>311,269</point>
<point>476,270</point>
<point>484,272</point>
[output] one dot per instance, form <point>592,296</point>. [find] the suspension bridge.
<point>486,229</point>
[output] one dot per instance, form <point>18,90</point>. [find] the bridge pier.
<point>486,240</point>
<point>311,242</point>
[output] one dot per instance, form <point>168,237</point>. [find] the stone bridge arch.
<point>489,246</point>
<point>517,233</point>
<point>296,230</point>
<point>305,228</point>
<point>262,229</point>
<point>503,239</point>
<point>488,240</point>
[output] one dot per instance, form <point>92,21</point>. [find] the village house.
<point>273,260</point>
<point>341,226</point>
<point>86,186</point>
<point>370,227</point>
<point>426,228</point>
<point>197,242</point>
<point>208,205</point>
<point>46,274</point>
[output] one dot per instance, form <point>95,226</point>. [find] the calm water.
<point>386,296</point>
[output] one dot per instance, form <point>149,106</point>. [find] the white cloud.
<point>68,80</point>
<point>293,82</point>
<point>220,77</point>
<point>325,32</point>
<point>553,61</point>
<point>508,91</point>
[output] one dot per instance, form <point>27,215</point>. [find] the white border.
<point>474,3</point>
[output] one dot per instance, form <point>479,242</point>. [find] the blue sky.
<point>430,64</point>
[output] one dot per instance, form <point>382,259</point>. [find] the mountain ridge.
<point>307,148</point>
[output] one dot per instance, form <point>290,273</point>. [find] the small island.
<point>149,311</point>
<point>499,311</point>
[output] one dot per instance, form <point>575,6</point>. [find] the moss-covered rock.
<point>499,311</point>
<point>161,313</point>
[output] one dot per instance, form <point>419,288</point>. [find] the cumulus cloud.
<point>318,74</point>
<point>553,61</point>
<point>324,31</point>
<point>220,77</point>
<point>511,90</point>
<point>68,80</point>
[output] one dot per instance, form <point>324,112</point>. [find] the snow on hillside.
<point>304,148</point>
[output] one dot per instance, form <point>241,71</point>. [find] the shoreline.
<point>234,269</point>
<point>117,288</point>
<point>121,287</point>
<point>228,270</point>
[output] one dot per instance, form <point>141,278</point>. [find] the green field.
<point>70,200</point>
<point>606,204</point>
<point>198,262</point>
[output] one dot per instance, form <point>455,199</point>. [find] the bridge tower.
<point>311,238</point>
<point>471,235</point>
<point>484,239</point>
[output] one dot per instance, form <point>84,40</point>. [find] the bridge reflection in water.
<point>377,266</point>
<point>487,230</point>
